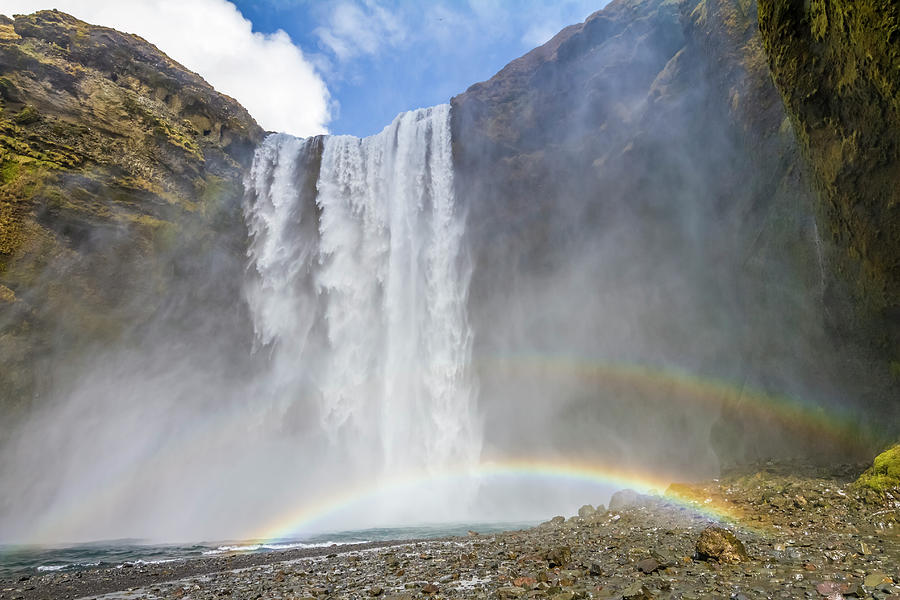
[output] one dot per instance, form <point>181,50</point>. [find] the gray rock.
<point>625,498</point>
<point>637,591</point>
<point>648,565</point>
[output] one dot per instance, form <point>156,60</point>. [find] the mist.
<point>607,255</point>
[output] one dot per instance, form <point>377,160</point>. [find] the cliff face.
<point>650,143</point>
<point>836,64</point>
<point>635,196</point>
<point>120,173</point>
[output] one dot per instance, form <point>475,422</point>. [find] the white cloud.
<point>358,28</point>
<point>266,73</point>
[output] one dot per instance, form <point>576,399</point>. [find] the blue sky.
<point>379,58</point>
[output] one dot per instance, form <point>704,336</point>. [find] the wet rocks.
<point>637,552</point>
<point>721,545</point>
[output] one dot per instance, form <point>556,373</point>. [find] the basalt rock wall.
<point>642,163</point>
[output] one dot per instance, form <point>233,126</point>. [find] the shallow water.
<point>19,560</point>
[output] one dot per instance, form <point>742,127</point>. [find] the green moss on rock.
<point>884,474</point>
<point>27,116</point>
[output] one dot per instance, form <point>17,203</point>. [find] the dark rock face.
<point>836,64</point>
<point>638,178</point>
<point>120,174</point>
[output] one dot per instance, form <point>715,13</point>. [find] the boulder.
<point>721,545</point>
<point>625,498</point>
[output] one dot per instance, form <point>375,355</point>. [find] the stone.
<point>637,591</point>
<point>525,582</point>
<point>828,588</point>
<point>510,592</point>
<point>623,499</point>
<point>721,545</point>
<point>664,558</point>
<point>587,511</point>
<point>559,556</point>
<point>648,565</point>
<point>875,579</point>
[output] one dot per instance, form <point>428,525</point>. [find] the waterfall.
<point>358,284</point>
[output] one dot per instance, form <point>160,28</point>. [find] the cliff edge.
<point>119,170</point>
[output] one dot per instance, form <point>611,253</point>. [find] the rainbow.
<point>305,516</point>
<point>102,488</point>
<point>843,428</point>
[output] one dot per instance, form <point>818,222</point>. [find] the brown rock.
<point>558,557</point>
<point>524,582</point>
<point>718,544</point>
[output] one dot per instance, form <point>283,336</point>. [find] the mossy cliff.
<point>120,171</point>
<point>837,66</point>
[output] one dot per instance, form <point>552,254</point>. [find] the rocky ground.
<point>794,532</point>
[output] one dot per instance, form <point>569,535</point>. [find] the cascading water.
<point>358,287</point>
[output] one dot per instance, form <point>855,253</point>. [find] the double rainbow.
<point>837,428</point>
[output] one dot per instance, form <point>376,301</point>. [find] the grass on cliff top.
<point>884,474</point>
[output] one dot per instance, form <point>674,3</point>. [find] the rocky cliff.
<point>650,142</point>
<point>837,66</point>
<point>638,209</point>
<point>120,174</point>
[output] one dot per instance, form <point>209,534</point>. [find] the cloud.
<point>266,73</point>
<point>354,29</point>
